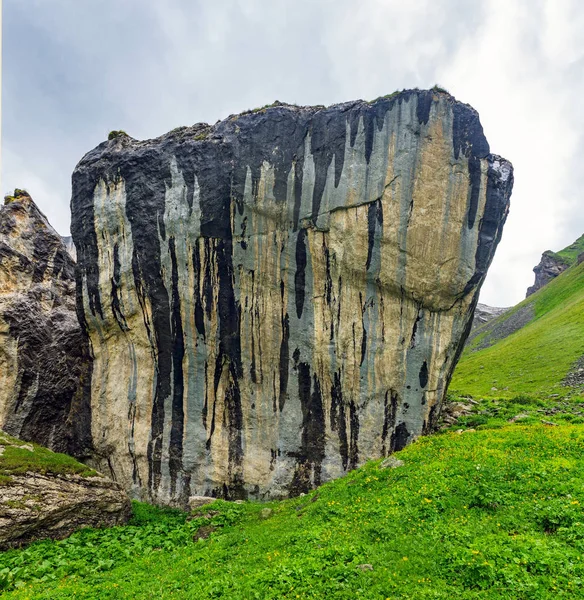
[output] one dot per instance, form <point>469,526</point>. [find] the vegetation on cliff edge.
<point>18,458</point>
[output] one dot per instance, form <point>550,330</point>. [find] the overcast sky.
<point>75,69</point>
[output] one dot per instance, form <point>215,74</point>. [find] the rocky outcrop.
<point>278,298</point>
<point>43,495</point>
<point>484,313</point>
<point>550,266</point>
<point>44,368</point>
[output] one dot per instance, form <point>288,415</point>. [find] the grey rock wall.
<point>278,298</point>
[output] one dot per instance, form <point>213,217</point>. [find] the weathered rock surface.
<point>550,266</point>
<point>43,354</point>
<point>278,298</point>
<point>48,499</point>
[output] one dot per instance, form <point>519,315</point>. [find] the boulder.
<point>198,501</point>
<point>47,495</point>
<point>278,298</point>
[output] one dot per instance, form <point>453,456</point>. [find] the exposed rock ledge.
<point>47,495</point>
<point>549,267</point>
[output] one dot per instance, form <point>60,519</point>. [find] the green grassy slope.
<point>571,252</point>
<point>488,514</point>
<point>534,359</point>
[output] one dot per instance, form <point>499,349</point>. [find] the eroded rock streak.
<point>276,299</point>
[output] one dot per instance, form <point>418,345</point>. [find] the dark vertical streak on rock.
<point>284,360</point>
<point>178,351</point>
<point>371,221</point>
<point>136,480</point>
<point>491,225</point>
<point>474,171</point>
<point>369,123</point>
<point>328,284</point>
<point>311,453</point>
<point>298,176</point>
<point>84,236</point>
<point>230,356</point>
<point>115,282</point>
<point>207,278</point>
<point>374,222</point>
<point>390,404</point>
<point>363,340</point>
<point>338,419</point>
<point>252,368</point>
<point>424,375</point>
<point>300,275</point>
<point>199,314</point>
<point>354,448</point>
<point>327,141</point>
<point>423,107</point>
<point>413,339</point>
<point>205,409</point>
<point>399,437</point>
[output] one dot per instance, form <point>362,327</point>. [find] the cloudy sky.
<point>75,69</point>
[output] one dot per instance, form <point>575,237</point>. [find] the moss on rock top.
<point>18,457</point>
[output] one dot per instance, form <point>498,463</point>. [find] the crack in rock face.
<point>274,300</point>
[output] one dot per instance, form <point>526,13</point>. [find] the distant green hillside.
<point>570,254</point>
<point>530,349</point>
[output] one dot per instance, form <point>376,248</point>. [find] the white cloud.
<point>513,73</point>
<point>147,66</point>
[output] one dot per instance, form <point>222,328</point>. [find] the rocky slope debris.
<point>278,298</point>
<point>46,495</point>
<point>44,362</point>
<point>484,313</point>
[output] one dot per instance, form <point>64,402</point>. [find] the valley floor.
<point>490,513</point>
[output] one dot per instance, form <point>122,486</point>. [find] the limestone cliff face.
<point>549,267</point>
<point>278,298</point>
<point>43,353</point>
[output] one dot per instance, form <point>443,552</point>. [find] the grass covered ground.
<point>535,359</point>
<point>495,513</point>
<point>17,458</point>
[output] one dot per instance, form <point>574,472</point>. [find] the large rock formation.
<point>44,366</point>
<point>274,300</point>
<point>45,495</point>
<point>549,267</point>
